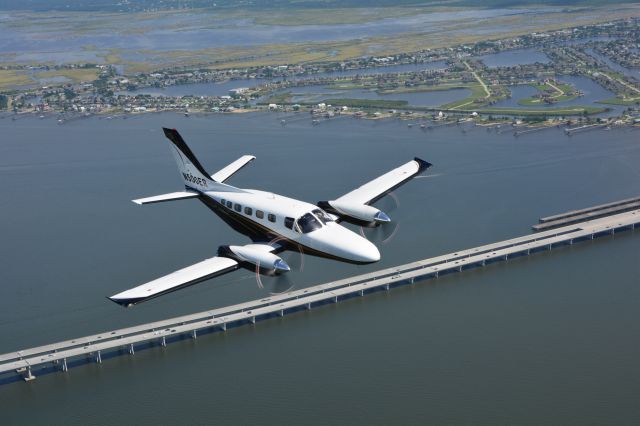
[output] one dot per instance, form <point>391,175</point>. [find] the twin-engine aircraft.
<point>274,223</point>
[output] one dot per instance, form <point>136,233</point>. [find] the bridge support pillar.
<point>224,326</point>
<point>281,312</point>
<point>29,377</point>
<point>335,299</point>
<point>64,365</point>
<point>194,334</point>
<point>163,342</point>
<point>252,320</point>
<point>98,358</point>
<point>131,351</point>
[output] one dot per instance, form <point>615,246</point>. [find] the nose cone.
<point>338,241</point>
<point>368,252</point>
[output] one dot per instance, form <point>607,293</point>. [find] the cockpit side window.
<point>288,222</point>
<point>308,223</point>
<point>323,216</point>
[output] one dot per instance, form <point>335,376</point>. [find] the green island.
<point>551,92</point>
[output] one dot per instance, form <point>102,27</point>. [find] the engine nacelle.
<point>360,211</point>
<point>256,254</point>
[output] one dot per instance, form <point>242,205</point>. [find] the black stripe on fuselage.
<point>258,232</point>
<point>176,139</point>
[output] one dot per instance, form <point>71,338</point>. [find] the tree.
<point>4,101</point>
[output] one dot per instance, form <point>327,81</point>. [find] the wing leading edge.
<point>229,259</point>
<point>382,185</point>
<point>201,271</point>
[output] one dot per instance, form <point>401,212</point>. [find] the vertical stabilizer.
<point>191,171</point>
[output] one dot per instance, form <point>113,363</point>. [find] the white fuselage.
<point>296,221</point>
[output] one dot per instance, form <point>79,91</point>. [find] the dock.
<point>584,128</point>
<point>576,216</point>
<point>60,356</point>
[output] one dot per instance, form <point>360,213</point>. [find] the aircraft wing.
<point>201,271</point>
<point>226,172</point>
<point>380,186</point>
<point>229,259</point>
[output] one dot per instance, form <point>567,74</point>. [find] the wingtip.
<point>422,164</point>
<point>122,302</point>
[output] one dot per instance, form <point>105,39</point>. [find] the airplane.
<point>273,222</point>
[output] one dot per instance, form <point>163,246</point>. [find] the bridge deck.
<point>251,311</point>
<point>579,212</point>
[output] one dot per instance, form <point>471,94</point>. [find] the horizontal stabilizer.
<point>190,275</point>
<point>172,196</point>
<point>228,171</point>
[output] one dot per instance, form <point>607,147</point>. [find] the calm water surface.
<point>629,72</point>
<point>431,99</point>
<point>548,339</point>
<point>510,58</point>
<point>222,88</point>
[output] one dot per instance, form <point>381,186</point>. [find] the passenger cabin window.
<point>229,204</point>
<point>259,214</point>
<point>307,223</point>
<point>237,207</point>
<point>323,216</point>
<point>288,222</point>
<point>271,217</point>
<point>248,210</point>
<point>222,202</point>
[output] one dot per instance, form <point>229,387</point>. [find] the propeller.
<point>277,283</point>
<point>385,231</point>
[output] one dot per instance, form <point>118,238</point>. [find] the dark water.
<point>629,72</point>
<point>510,58</point>
<point>431,99</point>
<point>548,339</point>
<point>222,88</point>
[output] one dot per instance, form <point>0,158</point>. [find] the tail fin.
<point>191,171</point>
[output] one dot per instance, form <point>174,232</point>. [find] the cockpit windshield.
<point>323,216</point>
<point>308,223</point>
